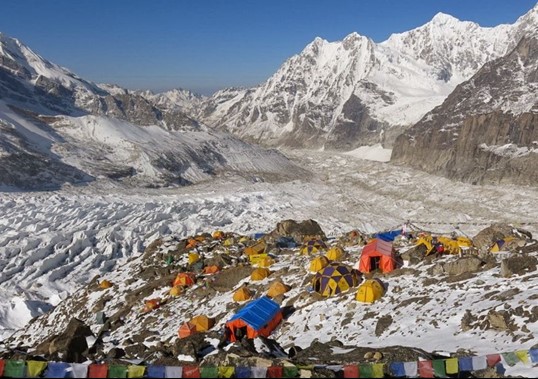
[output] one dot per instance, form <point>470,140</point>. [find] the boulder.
<point>68,346</point>
<point>463,265</point>
<point>518,265</point>
<point>499,320</point>
<point>297,230</point>
<point>487,237</point>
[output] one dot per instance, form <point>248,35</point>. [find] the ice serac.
<point>57,128</point>
<point>486,131</point>
<point>354,92</point>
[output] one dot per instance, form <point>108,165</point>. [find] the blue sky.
<point>206,45</point>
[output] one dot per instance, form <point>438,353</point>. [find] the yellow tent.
<point>370,291</point>
<point>318,263</point>
<point>313,246</point>
<point>335,253</point>
<point>277,288</point>
<point>218,235</point>
<point>260,274</point>
<point>265,262</point>
<point>498,245</point>
<point>105,284</point>
<point>193,258</point>
<point>229,242</point>
<point>176,291</point>
<point>258,248</point>
<point>202,323</point>
<point>242,294</point>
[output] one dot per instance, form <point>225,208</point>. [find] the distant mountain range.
<point>57,128</point>
<point>419,92</point>
<point>344,94</point>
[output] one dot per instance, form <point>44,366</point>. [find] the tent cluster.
<point>334,267</point>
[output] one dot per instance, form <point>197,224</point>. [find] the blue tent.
<point>259,316</point>
<point>388,236</point>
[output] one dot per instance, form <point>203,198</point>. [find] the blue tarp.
<point>258,312</point>
<point>389,236</point>
<point>286,242</point>
<point>257,236</point>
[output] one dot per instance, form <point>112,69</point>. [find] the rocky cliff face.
<point>487,129</point>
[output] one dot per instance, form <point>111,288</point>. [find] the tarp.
<point>389,236</point>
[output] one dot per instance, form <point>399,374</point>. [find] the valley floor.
<point>53,242</point>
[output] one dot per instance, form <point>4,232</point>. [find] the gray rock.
<point>518,265</point>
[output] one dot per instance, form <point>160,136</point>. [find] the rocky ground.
<point>474,295</point>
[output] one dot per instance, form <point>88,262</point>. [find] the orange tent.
<point>184,279</point>
<point>185,330</point>
<point>191,243</point>
<point>258,248</point>
<point>105,284</point>
<point>377,254</point>
<point>151,304</point>
<point>211,269</point>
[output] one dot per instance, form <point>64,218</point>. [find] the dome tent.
<point>370,291</point>
<point>318,263</point>
<point>334,279</point>
<point>242,294</point>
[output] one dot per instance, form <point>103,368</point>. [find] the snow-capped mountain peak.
<point>345,94</point>
<point>442,19</point>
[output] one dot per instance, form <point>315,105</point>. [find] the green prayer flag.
<point>209,372</point>
<point>117,371</point>
<point>365,370</point>
<point>14,369</point>
<point>290,372</point>
<point>510,358</point>
<point>439,368</point>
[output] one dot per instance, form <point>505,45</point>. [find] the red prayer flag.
<point>1,367</point>
<point>425,369</point>
<point>97,371</point>
<point>493,359</point>
<point>191,372</point>
<point>274,372</point>
<point>351,371</point>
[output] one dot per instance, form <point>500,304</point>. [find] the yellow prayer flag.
<point>451,365</point>
<point>226,372</point>
<point>35,368</point>
<point>377,370</point>
<point>135,371</point>
<point>523,356</point>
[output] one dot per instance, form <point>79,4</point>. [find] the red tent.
<point>377,254</point>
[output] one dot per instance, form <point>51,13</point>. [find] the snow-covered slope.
<point>57,128</point>
<point>81,235</point>
<point>343,94</point>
